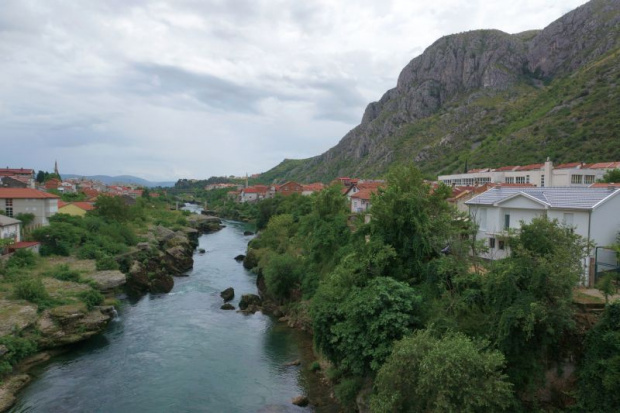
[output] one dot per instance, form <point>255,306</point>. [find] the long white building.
<point>540,175</point>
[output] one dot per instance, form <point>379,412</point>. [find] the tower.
<point>56,170</point>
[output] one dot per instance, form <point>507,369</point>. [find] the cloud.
<point>192,88</point>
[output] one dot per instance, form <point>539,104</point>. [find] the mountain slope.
<point>121,179</point>
<point>491,98</point>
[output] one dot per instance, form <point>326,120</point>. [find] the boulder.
<point>247,233</point>
<point>228,294</point>
<point>250,302</point>
<point>251,260</point>
<point>15,316</point>
<point>107,280</point>
<point>69,324</point>
<point>292,363</point>
<point>201,250</point>
<point>301,401</point>
<point>239,257</point>
<point>162,234</point>
<point>9,388</point>
<point>227,306</point>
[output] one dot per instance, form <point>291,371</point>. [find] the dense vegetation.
<point>400,301</point>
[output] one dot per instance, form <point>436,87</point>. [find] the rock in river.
<point>227,306</point>
<point>250,302</point>
<point>300,401</point>
<point>239,257</point>
<point>228,294</point>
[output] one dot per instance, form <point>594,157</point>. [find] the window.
<point>542,181</point>
<point>8,210</point>
<point>588,179</point>
<point>510,180</point>
<point>492,243</point>
<point>506,221</point>
<point>576,179</point>
<point>520,179</point>
<point>502,246</point>
<point>527,179</point>
<point>568,219</point>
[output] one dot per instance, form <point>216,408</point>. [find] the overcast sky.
<point>193,88</point>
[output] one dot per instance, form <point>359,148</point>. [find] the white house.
<point>593,212</point>
<point>10,228</point>
<point>26,200</point>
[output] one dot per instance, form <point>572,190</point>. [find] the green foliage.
<point>282,275</point>
<point>599,371</point>
<point>111,208</point>
<point>18,348</point>
<point>529,295</point>
<point>22,258</point>
<point>278,234</point>
<point>33,290</point>
<point>106,262</point>
<point>59,238</point>
<point>26,218</point>
<point>346,392</point>
<point>91,298</point>
<point>315,366</point>
<point>355,329</point>
<point>449,374</point>
<point>64,273</point>
<point>612,176</point>
<point>414,220</point>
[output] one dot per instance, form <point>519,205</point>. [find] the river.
<point>179,352</point>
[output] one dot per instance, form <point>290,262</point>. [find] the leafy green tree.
<point>26,218</point>
<point>40,177</point>
<point>282,275</point>
<point>599,371</point>
<point>355,329</point>
<point>449,374</point>
<point>59,238</point>
<point>612,176</point>
<point>529,298</point>
<point>111,208</point>
<point>415,220</point>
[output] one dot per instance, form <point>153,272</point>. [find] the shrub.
<point>282,275</point>
<point>22,259</point>
<point>106,262</point>
<point>64,273</point>
<point>33,290</point>
<point>89,251</point>
<point>91,298</point>
<point>346,392</point>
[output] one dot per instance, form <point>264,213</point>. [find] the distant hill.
<point>487,98</point>
<point>121,179</point>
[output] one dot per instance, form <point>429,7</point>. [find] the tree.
<point>599,371</point>
<point>415,220</point>
<point>112,208</point>
<point>449,374</point>
<point>40,177</point>
<point>355,329</point>
<point>529,298</point>
<point>612,176</point>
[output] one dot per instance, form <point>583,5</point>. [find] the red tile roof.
<point>86,206</point>
<point>571,165</point>
<point>531,167</point>
<point>15,171</point>
<point>23,244</point>
<point>365,193</point>
<point>317,186</point>
<point>506,168</point>
<point>25,193</point>
<point>603,165</point>
<point>605,185</point>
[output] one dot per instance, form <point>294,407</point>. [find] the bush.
<point>282,275</point>
<point>33,290</point>
<point>346,392</point>
<point>89,251</point>
<point>91,298</point>
<point>448,374</point>
<point>64,273</point>
<point>18,348</point>
<point>22,259</point>
<point>106,262</point>
<point>599,371</point>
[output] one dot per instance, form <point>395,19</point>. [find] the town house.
<point>41,204</point>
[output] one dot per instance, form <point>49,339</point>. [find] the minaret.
<point>56,169</point>
<point>246,179</point>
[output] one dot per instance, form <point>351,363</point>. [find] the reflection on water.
<point>179,352</point>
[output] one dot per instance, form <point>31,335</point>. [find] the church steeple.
<point>56,169</point>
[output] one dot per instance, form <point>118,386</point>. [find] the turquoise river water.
<point>179,352</point>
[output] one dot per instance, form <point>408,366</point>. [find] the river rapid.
<point>179,352</point>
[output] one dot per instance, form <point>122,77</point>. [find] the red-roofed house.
<point>353,189</point>
<point>74,208</point>
<point>33,246</point>
<point>289,188</point>
<point>312,188</point>
<point>360,201</point>
<point>26,200</point>
<point>253,193</point>
<point>53,183</point>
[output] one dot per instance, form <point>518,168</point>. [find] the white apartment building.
<point>540,175</point>
<point>25,200</point>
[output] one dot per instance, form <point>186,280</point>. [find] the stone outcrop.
<point>107,280</point>
<point>16,316</point>
<point>70,324</point>
<point>205,224</point>
<point>9,388</point>
<point>169,253</point>
<point>227,306</point>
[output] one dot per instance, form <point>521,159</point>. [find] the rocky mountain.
<point>491,98</point>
